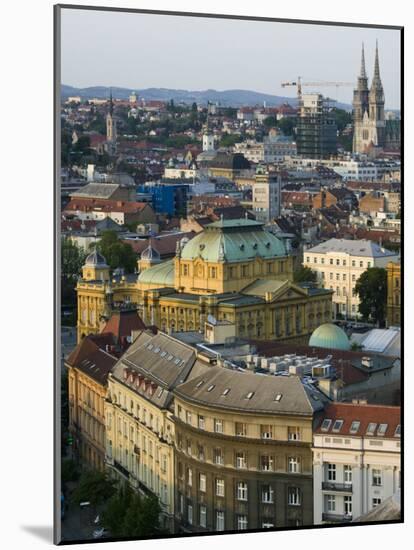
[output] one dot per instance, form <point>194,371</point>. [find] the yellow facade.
<point>139,444</point>
<point>234,271</point>
<point>393,294</point>
<point>86,417</point>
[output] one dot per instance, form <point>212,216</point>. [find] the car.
<point>100,533</point>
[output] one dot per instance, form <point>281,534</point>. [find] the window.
<point>241,492</point>
<point>190,477</point>
<point>293,465</point>
<point>353,263</point>
<point>331,276</point>
<point>266,431</point>
<point>190,514</point>
<point>218,425</point>
<point>201,422</point>
<point>181,503</point>
<point>293,434</point>
<point>201,455</point>
<point>331,472</point>
<point>353,278</point>
<point>267,494</point>
<point>397,432</point>
<point>331,261</point>
<point>241,460</point>
<point>202,483</point>
<point>354,426</point>
<point>330,503</point>
<point>348,505</point>
<point>337,276</point>
<point>344,262</point>
<point>337,425</point>
<point>220,487</point>
<point>218,457</point>
<point>376,502</point>
<point>188,447</point>
<point>347,474</point>
<point>326,424</point>
<point>382,428</point>
<point>294,497</point>
<point>241,429</point>
<point>266,463</point>
<point>376,477</point>
<point>344,276</point>
<point>219,521</point>
<point>371,428</point>
<point>241,523</point>
<point>203,515</point>
<point>361,264</point>
<point>188,417</point>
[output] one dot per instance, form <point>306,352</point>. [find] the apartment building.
<point>339,263</point>
<point>356,460</point>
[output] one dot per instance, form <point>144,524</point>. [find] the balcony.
<point>334,486</point>
<point>336,518</point>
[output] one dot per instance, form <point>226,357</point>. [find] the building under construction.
<point>316,128</point>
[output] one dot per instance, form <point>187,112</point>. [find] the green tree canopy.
<point>228,140</point>
<point>128,514</point>
<point>304,275</point>
<point>94,487</point>
<point>117,253</point>
<point>371,288</point>
<point>72,260</point>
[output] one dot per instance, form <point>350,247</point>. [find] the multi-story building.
<point>234,270</point>
<point>139,416</point>
<point>316,129</point>
<point>339,263</point>
<point>243,451</point>
<point>88,368</point>
<point>356,460</point>
<point>394,293</point>
<point>266,195</point>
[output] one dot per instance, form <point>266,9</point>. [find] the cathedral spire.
<point>111,103</point>
<point>363,73</point>
<point>376,66</point>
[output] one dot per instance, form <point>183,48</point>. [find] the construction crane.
<point>298,83</point>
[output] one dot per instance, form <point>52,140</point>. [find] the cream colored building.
<point>266,195</point>
<point>356,460</point>
<point>339,263</point>
<point>139,416</point>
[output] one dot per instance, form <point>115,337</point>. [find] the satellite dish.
<point>211,319</point>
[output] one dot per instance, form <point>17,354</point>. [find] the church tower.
<point>376,106</point>
<point>368,110</point>
<point>111,125</point>
<point>208,138</point>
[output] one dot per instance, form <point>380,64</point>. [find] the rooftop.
<point>353,248</point>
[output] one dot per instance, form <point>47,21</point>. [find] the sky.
<point>138,51</point>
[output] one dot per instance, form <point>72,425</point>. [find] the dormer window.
<point>326,424</point>
<point>337,425</point>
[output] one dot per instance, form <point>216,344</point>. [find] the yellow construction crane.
<point>298,83</point>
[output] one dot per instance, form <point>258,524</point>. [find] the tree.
<point>117,253</point>
<point>342,118</point>
<point>228,140</point>
<point>287,125</point>
<point>94,487</point>
<point>128,514</point>
<point>304,275</point>
<point>371,288</point>
<point>73,258</point>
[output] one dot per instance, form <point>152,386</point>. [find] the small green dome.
<point>330,336</point>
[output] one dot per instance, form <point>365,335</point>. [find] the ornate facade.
<point>368,110</point>
<point>393,294</point>
<point>234,270</point>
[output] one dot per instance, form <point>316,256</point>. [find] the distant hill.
<point>235,98</point>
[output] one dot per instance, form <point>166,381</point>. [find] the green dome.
<point>330,336</point>
<point>160,274</point>
<point>233,241</point>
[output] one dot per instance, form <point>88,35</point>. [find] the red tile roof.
<point>165,245</point>
<point>105,205</point>
<point>364,414</point>
<point>122,323</point>
<point>93,361</point>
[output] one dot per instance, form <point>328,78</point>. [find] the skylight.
<point>150,346</point>
<point>156,350</point>
<point>337,425</point>
<point>163,353</point>
<point>211,387</point>
<point>397,432</point>
<point>250,395</point>
<point>354,426</point>
<point>226,391</point>
<point>170,357</point>
<point>199,384</point>
<point>382,428</point>
<point>278,397</point>
<point>326,424</point>
<point>176,361</point>
<point>371,428</point>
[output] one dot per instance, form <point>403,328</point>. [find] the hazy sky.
<point>135,50</point>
